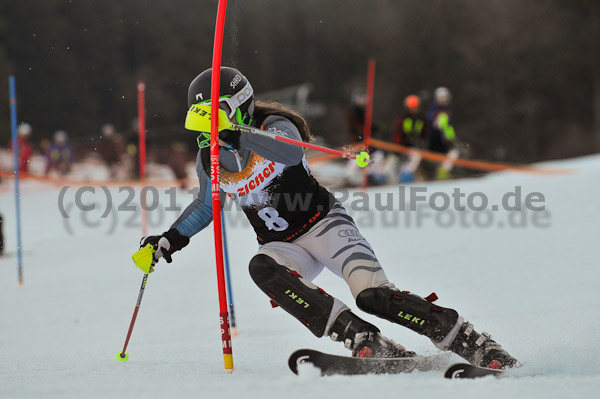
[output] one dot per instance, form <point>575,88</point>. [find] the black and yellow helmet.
<point>236,96</point>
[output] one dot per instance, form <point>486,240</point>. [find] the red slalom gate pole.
<point>216,187</point>
<point>368,115</point>
<point>141,88</point>
<point>369,108</point>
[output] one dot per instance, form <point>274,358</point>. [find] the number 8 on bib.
<point>272,219</point>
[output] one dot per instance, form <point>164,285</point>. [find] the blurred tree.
<point>525,74</point>
<point>594,36</point>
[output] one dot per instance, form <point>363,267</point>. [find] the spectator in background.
<point>23,136</point>
<point>177,163</point>
<point>60,154</point>
<point>442,137</point>
<point>111,148</point>
<point>355,119</point>
<point>132,150</point>
<point>377,169</point>
<point>411,131</point>
<point>411,128</point>
<point>45,147</point>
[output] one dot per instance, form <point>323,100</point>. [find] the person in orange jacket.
<point>411,131</point>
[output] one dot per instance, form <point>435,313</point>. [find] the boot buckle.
<point>482,338</point>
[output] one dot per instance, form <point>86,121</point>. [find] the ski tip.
<point>297,358</point>
<point>301,364</point>
<point>465,370</point>
<point>455,371</point>
<point>293,361</point>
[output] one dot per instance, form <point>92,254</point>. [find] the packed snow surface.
<point>529,278</point>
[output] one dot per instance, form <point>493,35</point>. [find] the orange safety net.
<point>379,144</point>
<point>465,163</point>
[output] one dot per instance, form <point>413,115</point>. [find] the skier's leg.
<point>276,270</point>
<point>336,242</point>
<point>445,327</point>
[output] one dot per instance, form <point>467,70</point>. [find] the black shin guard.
<point>409,311</point>
<point>300,298</point>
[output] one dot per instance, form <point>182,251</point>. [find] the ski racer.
<point>297,242</point>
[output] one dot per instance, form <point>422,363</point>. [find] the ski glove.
<point>230,137</point>
<point>165,244</point>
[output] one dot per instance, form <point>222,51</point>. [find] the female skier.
<point>301,229</point>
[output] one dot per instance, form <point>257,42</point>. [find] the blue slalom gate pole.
<point>13,122</point>
<point>228,277</point>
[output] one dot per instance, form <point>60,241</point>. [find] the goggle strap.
<point>236,101</point>
<point>241,96</point>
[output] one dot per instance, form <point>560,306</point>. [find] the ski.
<point>465,370</point>
<point>344,365</point>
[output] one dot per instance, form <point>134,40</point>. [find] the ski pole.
<point>228,278</point>
<point>198,119</point>
<point>143,259</point>
<point>122,356</point>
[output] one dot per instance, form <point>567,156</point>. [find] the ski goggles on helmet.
<point>231,104</point>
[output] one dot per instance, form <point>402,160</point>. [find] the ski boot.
<point>480,349</point>
<point>364,339</point>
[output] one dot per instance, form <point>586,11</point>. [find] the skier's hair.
<point>263,109</point>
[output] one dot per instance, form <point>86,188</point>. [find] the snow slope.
<point>534,288</point>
